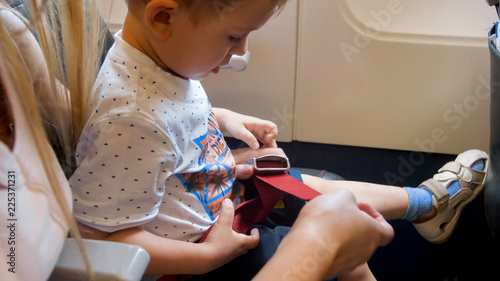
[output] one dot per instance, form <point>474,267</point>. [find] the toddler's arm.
<point>249,129</point>
<point>177,257</point>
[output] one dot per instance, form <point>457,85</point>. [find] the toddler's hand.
<point>223,243</point>
<point>249,129</point>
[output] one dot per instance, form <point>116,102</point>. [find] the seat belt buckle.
<point>270,164</point>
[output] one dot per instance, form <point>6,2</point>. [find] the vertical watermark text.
<point>11,222</point>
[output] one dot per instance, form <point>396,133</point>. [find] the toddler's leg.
<point>390,201</point>
<point>434,206</point>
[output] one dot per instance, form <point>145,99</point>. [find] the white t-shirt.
<point>33,229</point>
<point>151,154</point>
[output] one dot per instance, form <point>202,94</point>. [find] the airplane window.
<point>444,21</point>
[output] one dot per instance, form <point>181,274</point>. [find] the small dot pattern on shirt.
<point>139,135</point>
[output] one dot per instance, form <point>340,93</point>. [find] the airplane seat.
<point>109,260</point>
<point>319,173</point>
<point>492,187</point>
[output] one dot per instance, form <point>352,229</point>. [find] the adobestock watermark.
<point>381,19</point>
<point>282,118</point>
<point>454,117</point>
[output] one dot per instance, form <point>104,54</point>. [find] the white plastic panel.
<point>442,22</point>
<point>410,75</point>
<point>113,12</point>
<point>395,74</point>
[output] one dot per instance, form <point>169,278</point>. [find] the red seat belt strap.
<point>271,181</point>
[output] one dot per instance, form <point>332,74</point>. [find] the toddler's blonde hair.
<point>203,9</point>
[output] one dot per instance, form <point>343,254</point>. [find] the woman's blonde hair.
<point>69,34</point>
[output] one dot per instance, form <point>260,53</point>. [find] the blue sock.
<point>421,199</point>
<point>420,203</point>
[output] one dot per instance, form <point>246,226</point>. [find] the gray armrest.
<point>110,261</point>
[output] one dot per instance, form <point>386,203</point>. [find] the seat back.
<point>492,188</point>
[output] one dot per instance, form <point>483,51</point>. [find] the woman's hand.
<point>332,235</point>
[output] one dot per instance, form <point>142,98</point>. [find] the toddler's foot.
<point>455,185</point>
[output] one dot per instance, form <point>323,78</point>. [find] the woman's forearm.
<point>299,258</point>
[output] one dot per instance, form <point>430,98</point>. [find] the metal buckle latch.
<point>275,164</point>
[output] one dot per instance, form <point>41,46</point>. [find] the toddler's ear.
<point>158,16</point>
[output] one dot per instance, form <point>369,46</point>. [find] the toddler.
<point>153,166</point>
